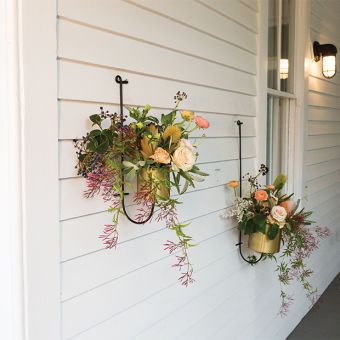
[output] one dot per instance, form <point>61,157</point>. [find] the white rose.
<point>184,156</point>
<point>279,213</point>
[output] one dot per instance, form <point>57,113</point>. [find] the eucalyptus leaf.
<point>176,182</point>
<point>185,188</point>
<point>187,177</point>
<point>128,164</point>
<point>198,172</point>
<point>197,179</point>
<point>131,175</point>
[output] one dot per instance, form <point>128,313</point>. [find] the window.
<point>281,100</point>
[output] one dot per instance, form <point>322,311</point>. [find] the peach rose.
<point>289,206</point>
<point>201,122</point>
<point>161,156</point>
<point>233,184</point>
<point>279,213</point>
<point>271,187</point>
<point>271,220</point>
<point>261,195</point>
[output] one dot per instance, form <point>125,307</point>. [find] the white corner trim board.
<point>11,264</point>
<point>29,242</point>
<point>38,40</point>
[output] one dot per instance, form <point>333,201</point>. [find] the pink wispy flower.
<point>102,181</point>
<point>109,236</point>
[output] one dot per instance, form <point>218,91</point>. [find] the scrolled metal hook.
<point>121,82</point>
<point>239,244</point>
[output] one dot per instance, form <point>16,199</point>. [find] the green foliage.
<point>243,223</point>
<point>98,142</point>
<point>273,231</point>
<point>168,119</point>
<point>197,171</point>
<point>250,227</point>
<point>111,156</point>
<point>299,240</point>
<point>260,221</point>
<point>187,177</point>
<point>280,181</point>
<point>285,198</point>
<point>96,120</point>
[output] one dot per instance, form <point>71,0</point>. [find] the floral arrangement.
<point>269,216</point>
<point>155,151</point>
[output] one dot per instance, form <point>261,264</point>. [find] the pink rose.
<point>289,206</point>
<point>201,122</point>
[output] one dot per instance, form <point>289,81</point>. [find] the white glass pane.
<point>287,37</point>
<point>277,136</point>
<point>272,44</point>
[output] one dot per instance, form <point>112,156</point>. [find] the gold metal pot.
<point>153,176</point>
<point>262,244</point>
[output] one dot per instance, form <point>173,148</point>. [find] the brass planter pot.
<point>152,176</point>
<point>262,244</point>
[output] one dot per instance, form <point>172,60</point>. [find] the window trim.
<point>297,120</point>
<point>281,94</point>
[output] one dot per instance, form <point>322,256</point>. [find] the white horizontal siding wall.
<point>209,50</point>
<point>322,150</point>
<point>323,130</point>
<point>321,159</point>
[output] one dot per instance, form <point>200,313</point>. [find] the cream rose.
<point>279,213</point>
<point>186,143</point>
<point>184,156</point>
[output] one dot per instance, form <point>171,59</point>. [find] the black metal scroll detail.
<point>122,82</point>
<point>239,244</point>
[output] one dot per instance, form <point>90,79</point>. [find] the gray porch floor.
<point>323,320</point>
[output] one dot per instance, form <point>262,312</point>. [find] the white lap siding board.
<point>323,141</point>
<point>322,160</point>
<point>209,50</point>
<point>323,134</point>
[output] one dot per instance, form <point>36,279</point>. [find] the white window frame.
<point>297,117</point>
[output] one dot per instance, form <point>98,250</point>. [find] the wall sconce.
<point>284,68</point>
<point>328,53</point>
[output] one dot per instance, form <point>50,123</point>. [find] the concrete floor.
<point>323,320</point>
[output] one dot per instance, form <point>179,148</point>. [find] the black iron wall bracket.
<point>122,82</point>
<point>251,260</point>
